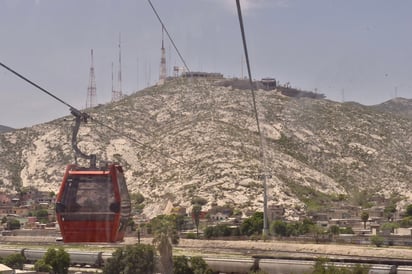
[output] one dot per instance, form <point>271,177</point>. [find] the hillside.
<point>5,129</point>
<point>315,149</point>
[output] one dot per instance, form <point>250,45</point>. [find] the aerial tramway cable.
<point>168,35</point>
<point>262,152</point>
<point>83,117</point>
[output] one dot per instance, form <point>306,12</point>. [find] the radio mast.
<point>117,93</point>
<point>162,74</point>
<point>91,89</point>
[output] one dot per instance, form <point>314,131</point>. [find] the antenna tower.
<point>117,94</point>
<point>162,74</point>
<point>91,89</point>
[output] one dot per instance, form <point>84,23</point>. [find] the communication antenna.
<point>117,94</point>
<point>162,74</point>
<point>137,73</point>
<point>91,89</point>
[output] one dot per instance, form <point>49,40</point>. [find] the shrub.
<point>252,225</point>
<point>58,259</point>
<point>377,240</point>
<point>15,261</point>
<point>194,265</point>
<point>199,266</point>
<point>181,265</point>
<point>41,266</point>
<point>191,235</point>
<point>138,258</point>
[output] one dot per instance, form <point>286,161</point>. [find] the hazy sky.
<point>350,50</point>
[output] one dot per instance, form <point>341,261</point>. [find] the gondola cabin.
<point>93,205</point>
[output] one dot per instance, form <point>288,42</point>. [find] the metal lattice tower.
<point>162,74</point>
<point>91,89</point>
<point>117,93</point>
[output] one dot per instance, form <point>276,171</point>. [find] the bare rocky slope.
<point>195,137</point>
<point>5,128</point>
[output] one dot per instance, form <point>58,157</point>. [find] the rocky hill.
<point>195,137</point>
<point>5,129</point>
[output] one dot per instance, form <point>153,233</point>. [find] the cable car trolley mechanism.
<point>93,203</point>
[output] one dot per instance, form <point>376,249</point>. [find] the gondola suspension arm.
<point>79,118</point>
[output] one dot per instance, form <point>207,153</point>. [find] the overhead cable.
<point>77,112</point>
<point>262,151</point>
<point>168,35</point>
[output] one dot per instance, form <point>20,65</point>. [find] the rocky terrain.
<point>195,137</point>
<point>5,129</point>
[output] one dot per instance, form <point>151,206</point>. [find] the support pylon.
<point>162,74</point>
<point>91,89</point>
<point>118,94</point>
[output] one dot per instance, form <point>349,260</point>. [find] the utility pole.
<point>264,177</point>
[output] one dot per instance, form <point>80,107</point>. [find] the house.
<point>219,216</point>
<point>21,211</point>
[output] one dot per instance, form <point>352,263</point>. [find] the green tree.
<point>346,230</point>
<point>306,226</point>
<point>181,265</point>
<point>42,215</point>
<point>252,225</point>
<point>164,236</point>
<point>406,222</point>
<point>13,224</point>
<point>192,265</point>
<point>318,232</point>
<point>58,259</point>
<point>138,197</point>
<point>279,228</point>
<point>199,266</point>
<point>389,227</point>
<point>377,240</point>
<point>409,210</point>
<point>180,221</point>
<point>220,230</point>
<point>137,200</point>
<point>389,211</point>
<point>364,218</point>
<point>198,201</point>
<point>131,259</point>
<point>41,266</point>
<point>15,261</point>
<point>334,230</point>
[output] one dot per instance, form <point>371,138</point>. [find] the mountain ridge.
<point>5,128</point>
<point>198,138</point>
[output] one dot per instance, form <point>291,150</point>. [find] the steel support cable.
<point>262,154</point>
<point>37,86</point>
<point>168,35</point>
<point>84,116</point>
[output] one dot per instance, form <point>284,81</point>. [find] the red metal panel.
<point>85,223</point>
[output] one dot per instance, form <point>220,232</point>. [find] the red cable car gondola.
<point>93,204</point>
